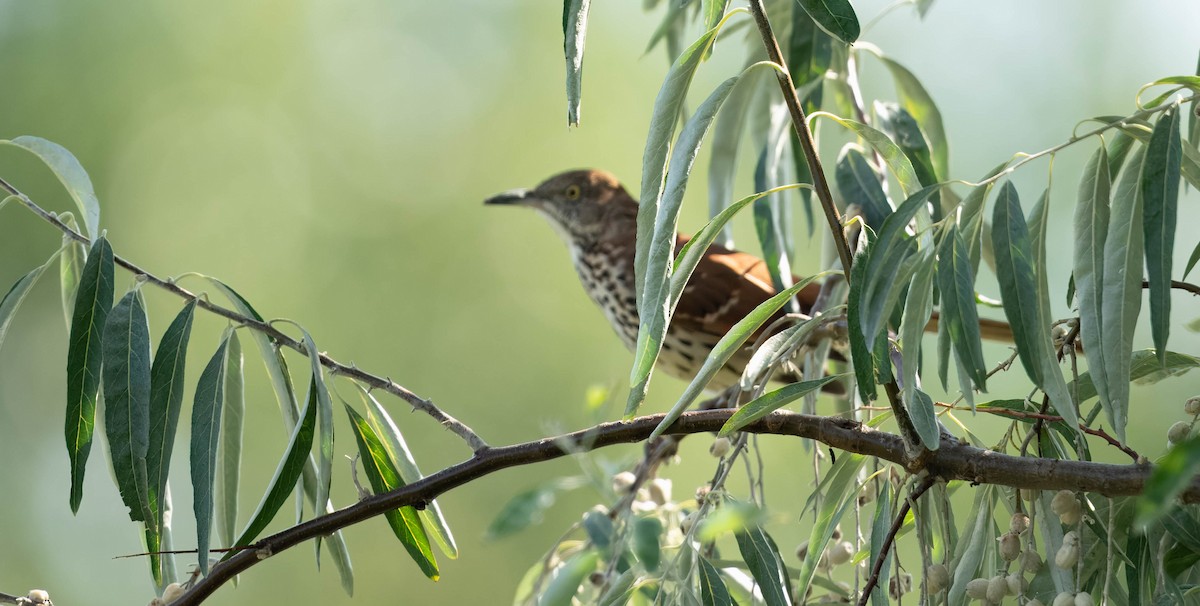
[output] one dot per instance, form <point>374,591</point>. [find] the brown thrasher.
<point>597,219</point>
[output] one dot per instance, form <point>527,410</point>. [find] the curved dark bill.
<point>512,196</point>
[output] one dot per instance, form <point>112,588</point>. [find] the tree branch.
<point>374,381</point>
<point>952,461</point>
<point>1178,284</point>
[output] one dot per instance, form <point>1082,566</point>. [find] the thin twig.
<point>1178,284</point>
<point>890,538</point>
<point>1043,417</point>
<point>374,381</point>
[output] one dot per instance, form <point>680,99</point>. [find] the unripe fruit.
<point>1068,555</point>
<point>1192,406</point>
<point>1016,584</point>
<point>1034,602</point>
<point>1083,598</point>
<point>977,589</point>
<point>720,447</point>
<point>997,588</point>
<point>623,481</point>
<point>1064,599</point>
<point>1010,546</point>
<point>171,593</point>
<point>899,585</point>
<point>1071,516</point>
<point>1062,501</point>
<point>841,553</point>
<point>1019,523</point>
<point>1178,432</point>
<point>660,491</point>
<point>802,550</point>
<point>937,578</point>
<point>1030,562</point>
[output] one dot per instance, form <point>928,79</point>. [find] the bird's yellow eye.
<point>572,192</point>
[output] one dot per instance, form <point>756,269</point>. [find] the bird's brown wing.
<point>725,287</point>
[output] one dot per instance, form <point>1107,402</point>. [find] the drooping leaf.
<point>1053,383</point>
<point>893,156</point>
<point>859,184</point>
<point>972,543</point>
<point>527,508</point>
<point>908,137</point>
<point>206,430</point>
<point>72,258</point>
<point>809,56</point>
<point>654,301</point>
<point>1171,475</point>
<point>765,564</point>
<point>971,217</point>
<point>93,301</point>
<point>917,101</point>
<point>575,16</point>
<point>381,472</point>
<point>126,375</point>
<point>1145,369</point>
<point>880,523</point>
<point>923,415</point>
<point>406,466</point>
<point>918,309</point>
<point>565,582</point>
<point>1122,289</point>
<point>726,140</point>
<point>888,250</point>
<point>957,286</point>
<point>166,402</point>
<point>70,173</point>
<point>324,424</point>
<point>1091,229</point>
<point>287,473</point>
<point>229,457</point>
<point>861,357</point>
<point>840,491</point>
<point>647,535</point>
<point>1021,270</point>
<point>834,16</point>
<point>1160,197</point>
<point>713,591</point>
<point>728,346</point>
<point>770,402</point>
<point>15,295</point>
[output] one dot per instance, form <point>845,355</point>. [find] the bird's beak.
<point>512,197</point>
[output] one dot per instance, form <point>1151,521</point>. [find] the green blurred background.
<point>328,159</point>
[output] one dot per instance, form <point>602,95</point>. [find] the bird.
<point>597,219</point>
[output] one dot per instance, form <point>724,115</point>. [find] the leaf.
<point>70,173</point>
<point>713,10</point>
<point>126,376</point>
<point>918,309</point>
<point>15,295</point>
<point>770,402</point>
<point>861,358</point>
<point>1173,473</point>
<point>229,457</point>
<point>893,156</point>
<point>166,402</point>
<point>723,151</point>
<point>840,490</point>
<point>880,283</point>
<point>567,578</point>
<point>1122,290</point>
<point>712,588</point>
<point>654,305</point>
<point>92,304</point>
<point>1021,271</point>
<point>73,256</point>
<point>917,102</point>
<point>381,472</point>
<point>527,508</point>
<point>286,474</point>
<point>765,564</point>
<point>1160,196</point>
<point>834,16</point>
<point>406,465</point>
<point>810,55</point>
<point>667,107</point>
<point>923,415</point>
<point>575,16</point>
<point>1091,229</point>
<point>324,424</point>
<point>971,217</point>
<point>956,284</point>
<point>972,543</point>
<point>1145,369</point>
<point>647,532</point>
<point>879,530</point>
<point>728,346</point>
<point>859,184</point>
<point>206,429</point>
<point>908,137</point>
<point>1192,260</point>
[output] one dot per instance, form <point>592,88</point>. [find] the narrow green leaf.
<point>957,286</point>
<point>324,425</point>
<point>971,217</point>
<point>599,528</point>
<point>527,508</point>
<point>166,402</point>
<point>74,255</point>
<point>654,304</point>
<point>770,402</point>
<point>15,295</point>
<point>406,465</point>
<point>880,523</point>
<point>713,591</point>
<point>809,56</point>
<point>893,156</point>
<point>861,358</point>
<point>286,474</point>
<point>206,429</point>
<point>563,586</point>
<point>918,309</point>
<point>1091,229</point>
<point>381,472</point>
<point>765,564</point>
<point>976,539</point>
<point>229,456</point>
<point>840,489</point>
<point>1053,382</point>
<point>575,16</point>
<point>92,304</point>
<point>1192,260</point>
<point>723,151</point>
<point>859,184</point>
<point>1160,196</point>
<point>884,290</point>
<point>1171,475</point>
<point>917,101</point>
<point>728,346</point>
<point>712,11</point>
<point>1145,369</point>
<point>778,344</point>
<point>908,137</point>
<point>1122,289</point>
<point>888,250</point>
<point>1019,285</point>
<point>70,173</point>
<point>647,533</point>
<point>126,376</point>
<point>667,107</point>
<point>1118,149</point>
<point>834,16</point>
<point>923,415</point>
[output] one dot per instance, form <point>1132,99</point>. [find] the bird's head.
<point>581,205</point>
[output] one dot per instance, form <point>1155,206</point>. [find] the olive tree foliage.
<point>905,236</point>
